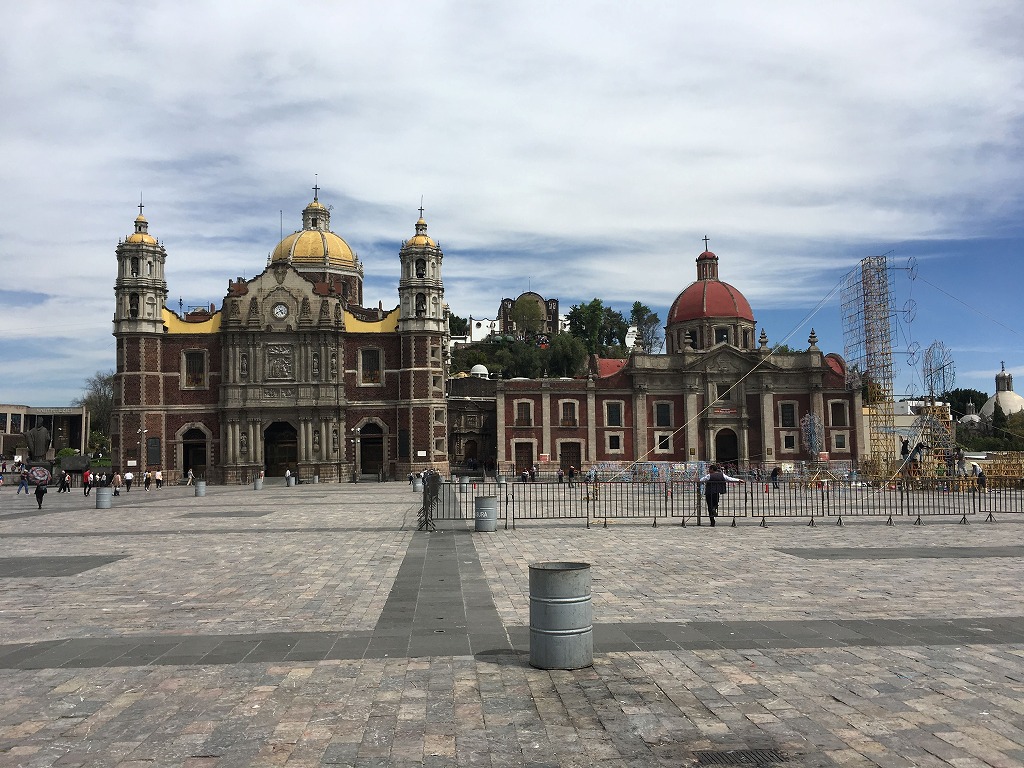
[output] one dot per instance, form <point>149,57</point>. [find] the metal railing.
<point>682,501</point>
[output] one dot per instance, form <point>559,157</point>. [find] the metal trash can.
<point>463,484</point>
<point>316,479</point>
<point>258,484</point>
<point>290,481</point>
<point>417,485</point>
<point>500,479</point>
<point>103,497</point>
<point>561,618</point>
<point>200,487</point>
<point>486,508</point>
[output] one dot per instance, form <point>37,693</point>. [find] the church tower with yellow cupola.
<point>423,327</point>
<point>140,287</point>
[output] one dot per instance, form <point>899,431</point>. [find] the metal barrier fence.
<point>683,502</point>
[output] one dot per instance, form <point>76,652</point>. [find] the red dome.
<point>709,298</point>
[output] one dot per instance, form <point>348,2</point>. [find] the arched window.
<point>133,305</point>
<point>421,268</point>
<point>421,305</point>
<point>135,266</point>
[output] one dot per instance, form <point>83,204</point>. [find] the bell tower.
<point>140,289</point>
<point>423,334</point>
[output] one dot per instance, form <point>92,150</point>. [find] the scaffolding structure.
<point>934,425</point>
<point>867,304</point>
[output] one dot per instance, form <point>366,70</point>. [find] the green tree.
<point>648,327</point>
<point>458,326</point>
<point>528,317</point>
<point>98,397</point>
<point>601,329</point>
<point>566,356</point>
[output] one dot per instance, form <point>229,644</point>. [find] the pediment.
<point>727,361</point>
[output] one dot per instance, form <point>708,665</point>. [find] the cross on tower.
<point>316,191</point>
<point>140,204</point>
<point>421,206</point>
<point>705,242</point>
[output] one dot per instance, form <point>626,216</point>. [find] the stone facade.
<point>289,373</point>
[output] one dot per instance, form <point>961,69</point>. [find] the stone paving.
<point>315,626</point>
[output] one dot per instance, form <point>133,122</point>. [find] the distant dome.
<point>1009,401</point>
<point>479,371</point>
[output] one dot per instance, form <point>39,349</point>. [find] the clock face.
<point>280,311</point>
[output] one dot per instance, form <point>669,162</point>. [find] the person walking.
<point>23,483</point>
<point>40,492</point>
<point>147,480</point>
<point>86,482</point>
<point>191,476</point>
<point>775,477</point>
<point>158,476</point>
<point>129,476</point>
<point>117,482</point>
<point>714,486</point>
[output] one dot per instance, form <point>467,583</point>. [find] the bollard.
<point>200,487</point>
<point>486,508</point>
<point>103,497</point>
<point>561,621</point>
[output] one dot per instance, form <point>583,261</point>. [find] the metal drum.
<point>486,508</point>
<point>200,487</point>
<point>103,497</point>
<point>290,481</point>
<point>257,484</point>
<point>417,485</point>
<point>463,485</point>
<point>561,618</point>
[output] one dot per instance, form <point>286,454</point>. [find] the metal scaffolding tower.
<point>867,302</point>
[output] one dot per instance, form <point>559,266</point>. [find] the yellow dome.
<point>141,237</point>
<point>314,246</point>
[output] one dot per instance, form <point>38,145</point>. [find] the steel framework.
<point>867,303</point>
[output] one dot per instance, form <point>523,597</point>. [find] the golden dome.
<point>141,233</point>
<point>314,246</point>
<point>421,237</point>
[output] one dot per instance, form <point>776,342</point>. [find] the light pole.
<point>355,455</point>
<point>142,439</point>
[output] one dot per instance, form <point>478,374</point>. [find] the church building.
<point>290,372</point>
<point>715,395</point>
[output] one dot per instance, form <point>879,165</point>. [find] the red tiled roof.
<point>609,366</point>
<point>709,298</point>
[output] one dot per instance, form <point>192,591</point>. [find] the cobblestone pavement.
<point>315,626</point>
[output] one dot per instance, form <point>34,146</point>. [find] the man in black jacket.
<point>714,486</point>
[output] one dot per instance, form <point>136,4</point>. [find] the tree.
<point>528,317</point>
<point>458,326</point>
<point>600,328</point>
<point>999,421</point>
<point>648,327</point>
<point>99,399</point>
<point>566,356</point>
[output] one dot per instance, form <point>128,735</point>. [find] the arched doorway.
<point>726,447</point>
<point>280,448</point>
<point>469,452</point>
<point>371,449</point>
<point>193,452</point>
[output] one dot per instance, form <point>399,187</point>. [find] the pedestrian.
<point>158,476</point>
<point>572,474</point>
<point>561,475</point>
<point>714,486</point>
<point>24,482</point>
<point>190,476</point>
<point>147,480</point>
<point>775,477</point>
<point>979,476</point>
<point>904,448</point>
<point>129,476</point>
<point>40,492</point>
<point>86,480</point>
<point>117,482</point>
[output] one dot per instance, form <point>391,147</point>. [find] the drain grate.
<point>763,758</point>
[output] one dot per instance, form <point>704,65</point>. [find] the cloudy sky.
<point>583,149</point>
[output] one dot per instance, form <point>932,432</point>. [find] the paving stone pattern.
<point>313,626</point>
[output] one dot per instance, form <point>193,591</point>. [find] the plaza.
<point>314,625</point>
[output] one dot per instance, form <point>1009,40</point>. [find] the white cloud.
<point>590,145</point>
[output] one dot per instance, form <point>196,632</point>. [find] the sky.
<point>579,149</point>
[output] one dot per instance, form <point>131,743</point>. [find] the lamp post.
<point>142,439</point>
<point>355,455</point>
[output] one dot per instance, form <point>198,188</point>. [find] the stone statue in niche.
<point>334,440</point>
<point>243,443</point>
<point>316,440</point>
<point>316,365</point>
<point>334,366</point>
<point>243,366</point>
